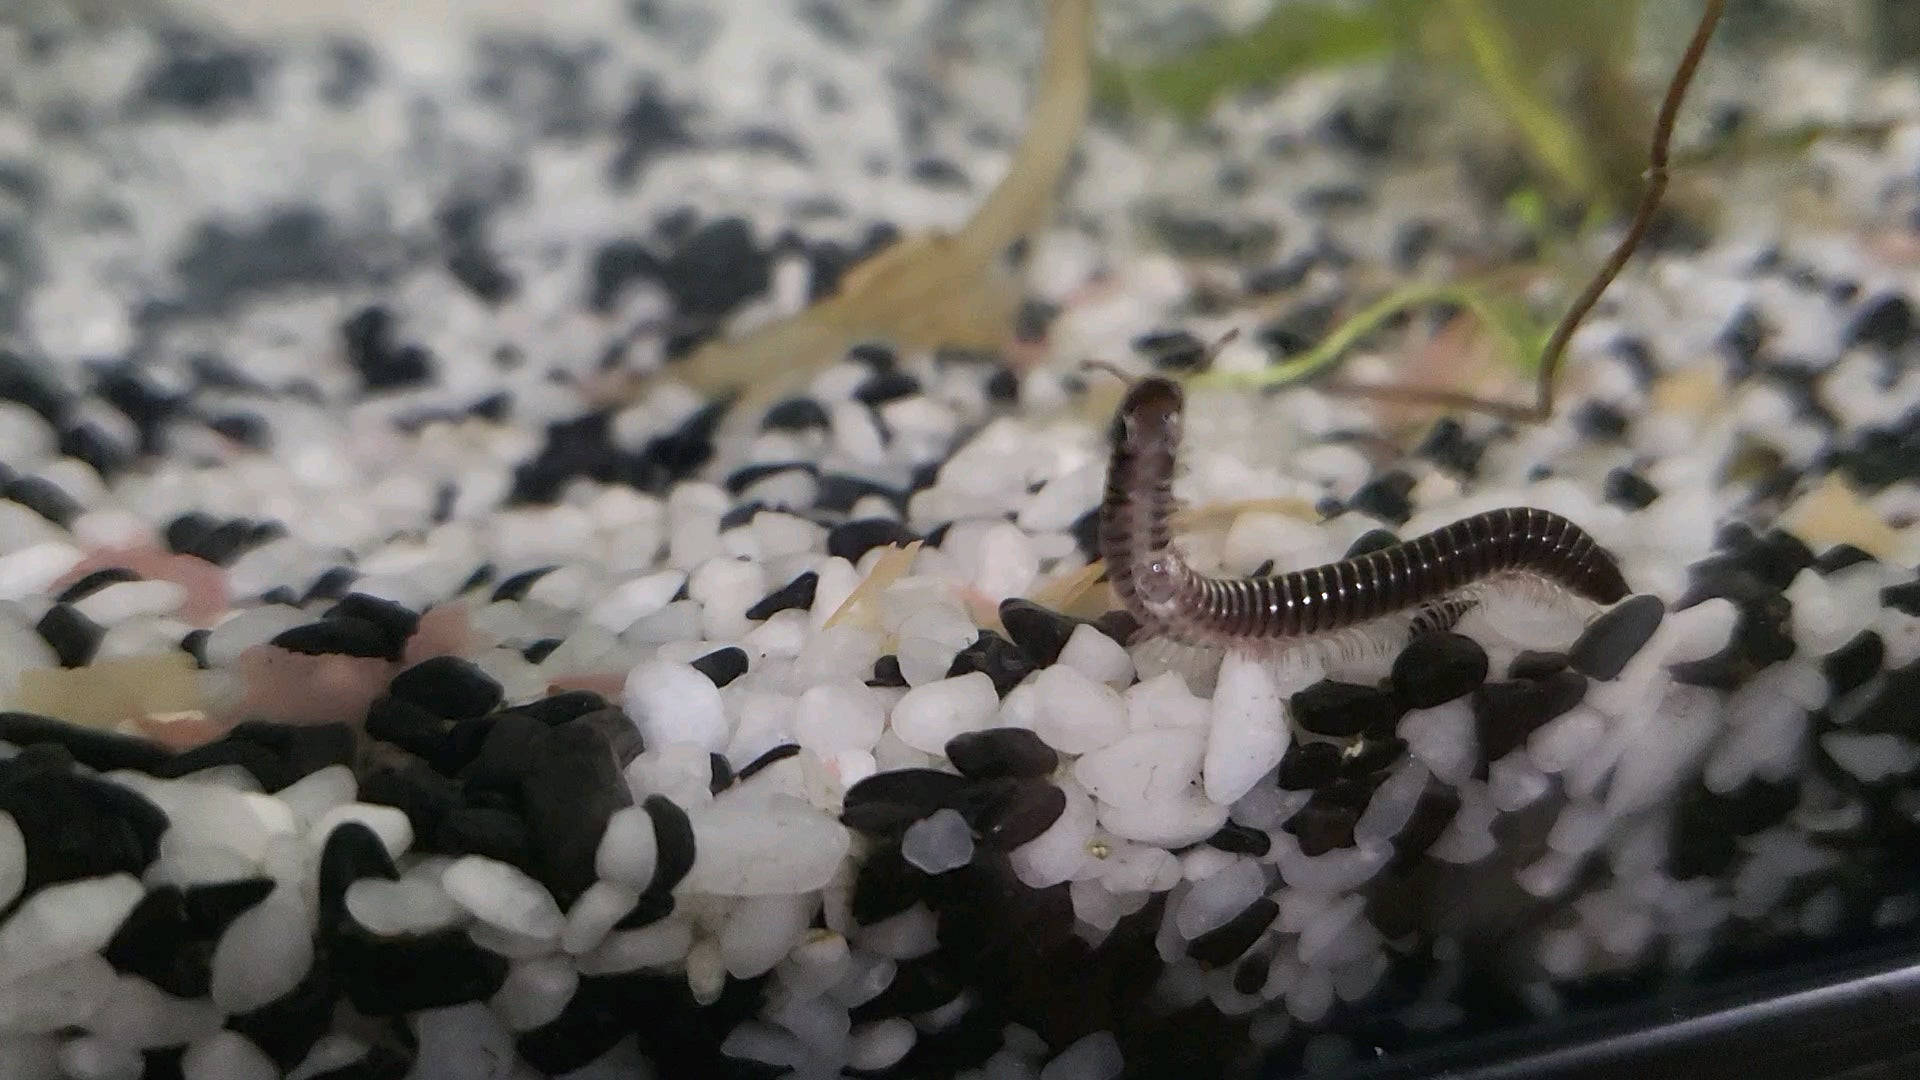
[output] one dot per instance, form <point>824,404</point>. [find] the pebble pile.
<point>375,707</point>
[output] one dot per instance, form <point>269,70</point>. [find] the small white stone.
<point>675,703</point>
<point>1566,739</point>
<point>30,569</point>
<point>760,930</point>
<point>92,1058</point>
<point>13,860</point>
<point>834,717</point>
<point>592,916</point>
<point>59,922</point>
<point>504,896</point>
<point>1442,737</point>
<point>411,905</point>
<point>311,796</point>
<point>927,716</point>
<point>1095,1057</point>
<point>124,600</point>
<point>1218,897</point>
<point>262,956</point>
<point>1187,818</point>
<point>627,848</point>
<point>881,1044</point>
<point>1164,701</point>
<point>1097,656</point>
<point>725,587</point>
<point>1058,854</point>
<point>655,945</point>
<point>747,845</point>
<point>226,1055</point>
<point>929,639</point>
<point>535,992</point>
<point>1145,767</point>
<point>1076,714</point>
<point>1250,734</point>
<point>939,842</point>
<point>633,600</point>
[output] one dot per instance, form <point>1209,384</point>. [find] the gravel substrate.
<point>379,707</point>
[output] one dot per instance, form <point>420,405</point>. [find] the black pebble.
<point>415,789</point>
<point>795,414</point>
<point>716,269</point>
<point>1762,635</point>
<point>723,665</point>
<point>396,622</point>
<point>673,843</point>
<point>1884,322</point>
<point>886,386</point>
<point>1776,558</point>
<point>94,582</point>
<point>1001,752</point>
<point>1340,709</point>
<point>536,652</point>
<point>1008,812</point>
<point>556,709</point>
<point>447,686</point>
<point>1535,664</point>
<point>719,773</point>
<point>839,491</point>
<point>797,593</point>
<point>886,672</point>
<point>1308,765</point>
<point>1706,828</point>
<point>92,747</point>
<point>276,755</point>
<point>1447,446</point>
<point>1431,815</point>
<point>76,826</point>
<point>1371,540</point>
<point>888,802</point>
<point>1606,646</point>
<point>772,757</point>
<point>1601,422</point>
<point>1437,667</point>
<point>408,726</point>
<point>1230,941</point>
<point>1902,598</point>
<point>855,538</point>
<point>1839,557</point>
<point>1385,497</point>
<point>153,943</point>
<point>381,361</point>
<point>1321,827</point>
<point>1505,713</point>
<point>91,445</point>
<point>485,830</point>
<point>746,476</point>
<point>73,636</point>
<point>1240,839</point>
<point>391,977</point>
<point>286,1028</point>
<point>1628,489</point>
<point>330,585</point>
<point>1851,665</point>
<point>1370,754</point>
<point>351,852</point>
<point>1892,712</point>
<point>1000,659</point>
<point>516,586</point>
<point>43,497</point>
<point>1040,632</point>
<point>335,637</point>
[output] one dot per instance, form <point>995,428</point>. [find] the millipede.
<point>1171,599</point>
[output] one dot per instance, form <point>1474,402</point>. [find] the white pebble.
<point>31,569</point>
<point>226,1055</point>
<point>1330,872</point>
<point>631,601</point>
<point>928,640</point>
<point>1076,714</point>
<point>464,1042</point>
<point>503,896</point>
<point>881,1044</point>
<point>760,930</point>
<point>1058,854</point>
<point>1217,898</point>
<point>62,921</point>
<point>1187,818</point>
<point>1442,738</point>
<point>311,796</point>
<point>939,842</point>
<point>593,915</point>
<point>749,845</point>
<point>1097,656</point>
<point>1095,1057</point>
<point>13,860</point>
<point>833,717</point>
<point>1249,734</point>
<point>68,994</point>
<point>535,992</point>
<point>627,849</point>
<point>725,587</point>
<point>124,600</point>
<point>675,703</point>
<point>1148,766</point>
<point>263,955</point>
<point>92,1058</point>
<point>1579,828</point>
<point>1164,701</point>
<point>1392,804</point>
<point>1515,784</point>
<point>927,716</point>
<point>1566,739</point>
<point>652,946</point>
<point>1872,758</point>
<point>412,905</point>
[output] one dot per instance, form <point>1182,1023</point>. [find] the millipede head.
<point>1150,413</point>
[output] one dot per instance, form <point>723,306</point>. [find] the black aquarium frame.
<point>1853,1015</point>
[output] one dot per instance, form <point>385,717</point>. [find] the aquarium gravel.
<point>381,703</point>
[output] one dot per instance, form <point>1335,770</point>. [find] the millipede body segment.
<point>1172,599</point>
